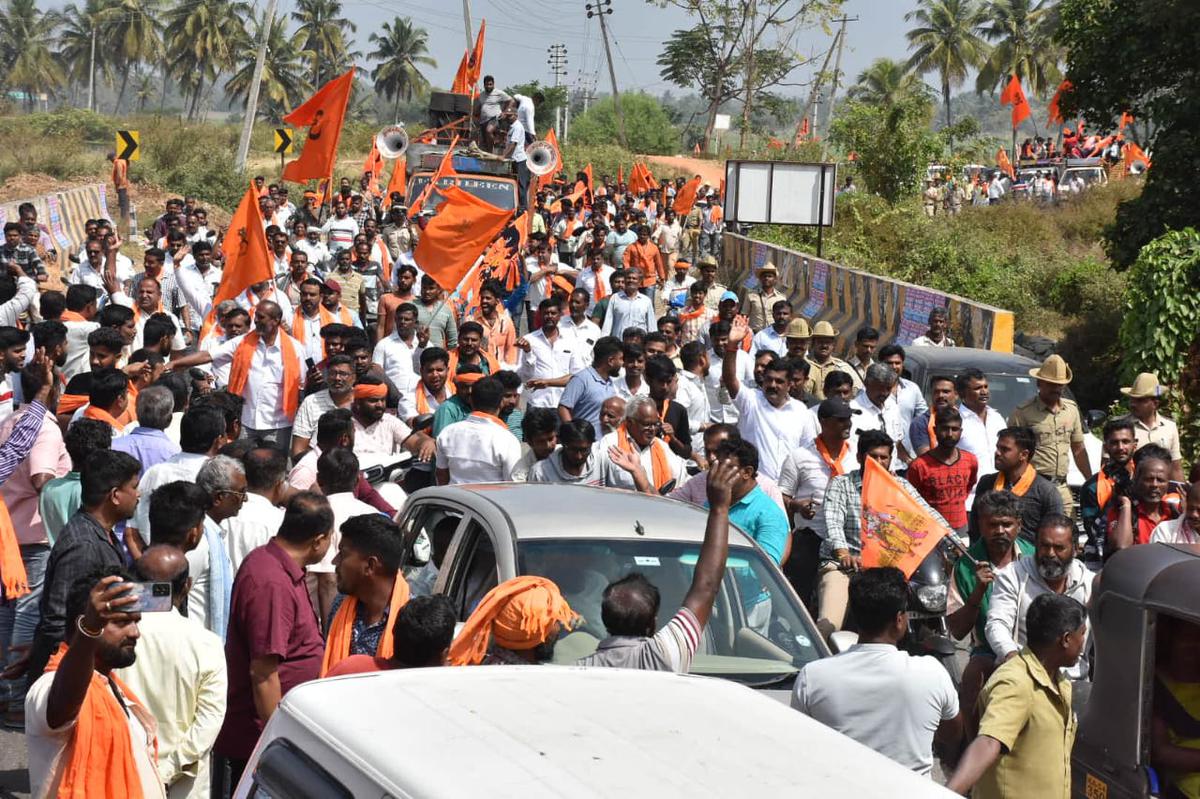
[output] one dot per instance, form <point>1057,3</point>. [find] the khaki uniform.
<point>713,298</point>
<point>1164,433</point>
<point>817,374</point>
<point>757,307</point>
<point>1056,432</point>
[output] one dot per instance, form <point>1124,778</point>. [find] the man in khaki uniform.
<point>1149,427</point>
<point>820,356</point>
<point>757,304</point>
<point>1057,424</point>
<point>708,276</point>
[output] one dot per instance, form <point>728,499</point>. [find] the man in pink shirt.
<point>714,436</point>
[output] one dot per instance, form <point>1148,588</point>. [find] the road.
<point>14,779</point>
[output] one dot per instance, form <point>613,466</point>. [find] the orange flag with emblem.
<point>1055,116</point>
<point>1134,153</point>
<point>896,530</point>
<point>471,66</point>
<point>454,239</point>
<point>396,183</point>
<point>323,115</point>
<point>1014,95</point>
<point>686,197</point>
<point>247,258</point>
<point>1005,164</point>
<point>445,169</point>
<point>548,178</point>
<point>373,166</point>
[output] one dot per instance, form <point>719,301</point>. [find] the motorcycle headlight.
<point>932,597</point>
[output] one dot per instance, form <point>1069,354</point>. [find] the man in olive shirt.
<point>820,356</point>
<point>1057,424</point>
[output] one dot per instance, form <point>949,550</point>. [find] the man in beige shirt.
<point>1056,421</point>
<point>1145,396</point>
<point>757,304</point>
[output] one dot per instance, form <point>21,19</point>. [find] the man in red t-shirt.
<point>945,475</point>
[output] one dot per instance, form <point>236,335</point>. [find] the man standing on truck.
<point>515,150</point>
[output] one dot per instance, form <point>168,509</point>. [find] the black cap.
<point>835,408</point>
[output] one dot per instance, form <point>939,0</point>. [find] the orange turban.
<point>518,614</point>
<point>370,391</point>
<point>467,378</point>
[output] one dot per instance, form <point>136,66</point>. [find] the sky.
<point>520,31</point>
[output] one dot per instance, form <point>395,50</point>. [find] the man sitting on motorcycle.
<point>971,589</point>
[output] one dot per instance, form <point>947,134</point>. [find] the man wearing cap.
<point>1149,427</point>
<point>727,312</point>
<point>331,301</point>
<point>398,234</point>
<point>713,290</point>
<point>760,303</point>
<point>824,339</point>
<point>771,337</point>
<point>1055,420</point>
<point>768,418</point>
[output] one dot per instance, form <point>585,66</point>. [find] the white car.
<point>550,731</point>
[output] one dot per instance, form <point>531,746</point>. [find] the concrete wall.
<point>64,212</point>
<point>850,299</point>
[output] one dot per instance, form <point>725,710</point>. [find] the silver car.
<point>584,537</point>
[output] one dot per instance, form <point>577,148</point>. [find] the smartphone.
<point>151,597</point>
<point>309,363</point>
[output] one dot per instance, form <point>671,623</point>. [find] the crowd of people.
<point>138,444</point>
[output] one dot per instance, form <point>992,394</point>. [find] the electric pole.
<point>467,23</point>
<point>255,82</point>
<point>602,8</point>
<point>558,68</point>
<point>812,96</point>
<point>837,74</point>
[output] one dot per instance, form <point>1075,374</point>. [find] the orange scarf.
<point>137,312</point>
<point>423,395</point>
<point>491,418</point>
<point>239,371</point>
<point>932,435</point>
<point>1105,484</point>
<point>662,414</point>
<point>101,415</point>
<point>658,457</point>
<point>12,568</point>
<point>72,316</point>
<point>341,629</point>
<point>300,326</point>
<point>493,365</point>
<point>834,464</point>
<point>1022,485</point>
<point>601,288</point>
<point>101,757</point>
<point>687,316</point>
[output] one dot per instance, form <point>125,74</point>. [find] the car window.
<point>757,634</point>
<point>285,771</point>
<point>475,571</point>
<point>430,530</point>
<point>1175,702</point>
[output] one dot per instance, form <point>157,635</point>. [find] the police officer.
<point>1058,426</point>
<point>822,360</point>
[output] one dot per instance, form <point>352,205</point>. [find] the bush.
<point>192,160</point>
<point>648,129</point>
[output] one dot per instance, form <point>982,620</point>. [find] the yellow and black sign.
<point>128,145</point>
<point>283,140</point>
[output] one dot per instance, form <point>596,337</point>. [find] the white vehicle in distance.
<point>549,731</point>
<point>584,538</point>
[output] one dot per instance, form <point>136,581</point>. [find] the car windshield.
<point>1006,392</point>
<point>497,192</point>
<point>757,634</point>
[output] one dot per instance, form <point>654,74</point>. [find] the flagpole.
<point>467,23</point>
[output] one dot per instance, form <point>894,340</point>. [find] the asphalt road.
<point>14,778</point>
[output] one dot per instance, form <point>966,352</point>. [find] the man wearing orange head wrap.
<point>521,618</point>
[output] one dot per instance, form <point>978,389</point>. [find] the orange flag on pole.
<point>637,184</point>
<point>1134,153</point>
<point>686,197</point>
<point>247,258</point>
<point>620,175</point>
<point>373,166</point>
<point>396,183</point>
<point>471,65</point>
<point>1014,95</point>
<point>445,169</point>
<point>1005,164</point>
<point>548,178</point>
<point>452,241</point>
<point>1126,120</point>
<point>896,530</point>
<point>1055,116</point>
<point>323,115</point>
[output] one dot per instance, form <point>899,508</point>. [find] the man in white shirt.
<point>525,110</point>
<point>180,674</point>
<point>377,432</point>
<point>936,336</point>
<point>340,229</point>
<point>879,410</point>
<point>691,393</point>
<point>634,457</point>
<point>630,308</point>
<point>338,393</point>
<point>807,470</point>
<point>882,697</point>
<point>17,293</point>
<point>223,479</point>
<point>197,282</point>
<point>548,359</point>
<point>515,150</point>
<point>479,449</point>
<point>771,337</point>
<point>595,278</point>
<point>90,270</point>
<point>147,302</point>
<point>909,399</point>
<point>79,319</point>
<point>723,408</point>
<point>399,354</point>
<point>261,515</point>
<point>768,418</point>
<point>981,425</point>
<point>585,331</point>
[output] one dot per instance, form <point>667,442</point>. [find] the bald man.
<point>178,653</point>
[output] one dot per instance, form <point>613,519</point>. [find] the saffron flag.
<point>637,183</point>
<point>454,239</point>
<point>373,166</point>
<point>548,178</point>
<point>445,170</point>
<point>1014,95</point>
<point>247,258</point>
<point>471,65</point>
<point>649,177</point>
<point>323,115</point>
<point>620,175</point>
<point>1055,116</point>
<point>1126,120</point>
<point>686,197</point>
<point>1005,164</point>
<point>396,183</point>
<point>896,530</point>
<point>1134,153</point>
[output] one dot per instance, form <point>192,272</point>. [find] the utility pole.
<point>255,82</point>
<point>837,74</point>
<point>467,23</point>
<point>558,68</point>
<point>601,9</point>
<point>750,42</point>
<point>92,72</point>
<point>816,89</point>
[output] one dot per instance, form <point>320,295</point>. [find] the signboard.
<point>283,141</point>
<point>779,193</point>
<point>721,122</point>
<point>128,145</point>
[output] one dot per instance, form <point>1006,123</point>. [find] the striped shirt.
<point>671,648</point>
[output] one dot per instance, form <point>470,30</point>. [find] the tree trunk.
<point>396,110</point>
<point>946,99</point>
<point>162,99</point>
<point>121,94</point>
<point>713,107</point>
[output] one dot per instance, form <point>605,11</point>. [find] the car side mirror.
<point>1095,418</point>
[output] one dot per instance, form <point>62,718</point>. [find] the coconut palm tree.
<point>75,39</point>
<point>132,35</point>
<point>1022,36</point>
<point>887,83</point>
<point>284,83</point>
<point>399,49</point>
<point>144,90</point>
<point>201,41</point>
<point>324,36</point>
<point>27,38</point>
<point>946,41</point>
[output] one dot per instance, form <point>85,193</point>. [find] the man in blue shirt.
<point>148,442</point>
<point>759,516</point>
<point>587,390</point>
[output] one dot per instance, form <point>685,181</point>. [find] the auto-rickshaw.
<point>1142,591</point>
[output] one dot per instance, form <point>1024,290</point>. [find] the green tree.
<point>144,90</point>
<point>202,37</point>
<point>79,24</point>
<point>1022,33</point>
<point>1153,51</point>
<point>892,141</point>
<point>945,41</point>
<point>647,126</point>
<point>401,50</point>
<point>555,97</point>
<point>131,30</point>
<point>887,83</point>
<point>26,50</point>
<point>324,35</point>
<point>691,60</point>
<point>284,83</point>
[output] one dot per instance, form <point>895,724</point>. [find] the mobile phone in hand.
<point>152,597</point>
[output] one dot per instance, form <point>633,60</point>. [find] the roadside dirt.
<point>711,171</point>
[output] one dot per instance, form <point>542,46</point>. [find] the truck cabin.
<point>1139,731</point>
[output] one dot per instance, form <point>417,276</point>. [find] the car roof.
<point>553,510</point>
<point>535,731</point>
<point>955,359</point>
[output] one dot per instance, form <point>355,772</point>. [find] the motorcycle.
<point>928,592</point>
